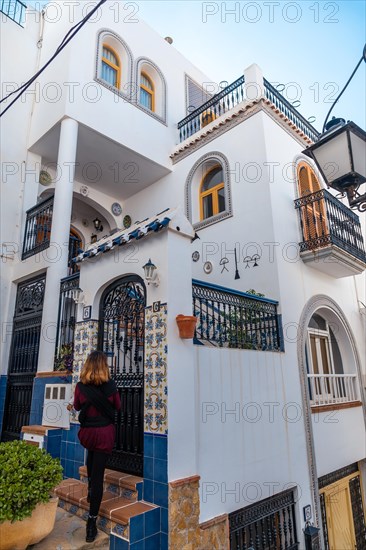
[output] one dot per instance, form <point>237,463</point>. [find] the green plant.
<point>240,321</point>
<point>64,359</point>
<point>27,477</point>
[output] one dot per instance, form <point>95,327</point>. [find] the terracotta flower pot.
<point>186,325</point>
<point>20,534</point>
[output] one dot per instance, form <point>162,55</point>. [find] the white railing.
<point>328,389</point>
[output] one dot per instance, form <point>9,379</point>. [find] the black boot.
<point>91,529</point>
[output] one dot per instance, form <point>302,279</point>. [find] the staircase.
<point>122,513</point>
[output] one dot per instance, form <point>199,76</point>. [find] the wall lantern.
<point>77,295</point>
<point>98,224</point>
<point>340,155</point>
<point>151,276</point>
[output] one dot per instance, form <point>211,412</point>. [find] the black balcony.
<point>329,228</point>
<point>233,319</point>
<point>38,228</point>
<point>14,9</point>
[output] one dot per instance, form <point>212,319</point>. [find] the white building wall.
<point>19,169</point>
<point>250,429</point>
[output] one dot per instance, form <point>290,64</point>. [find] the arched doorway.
<point>121,337</point>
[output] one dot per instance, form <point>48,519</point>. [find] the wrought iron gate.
<point>121,337</point>
<point>23,356</point>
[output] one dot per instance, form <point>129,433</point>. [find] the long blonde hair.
<point>95,369</point>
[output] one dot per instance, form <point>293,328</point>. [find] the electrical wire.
<point>363,58</point>
<point>67,38</point>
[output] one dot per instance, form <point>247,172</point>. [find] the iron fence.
<point>266,525</point>
<point>231,319</point>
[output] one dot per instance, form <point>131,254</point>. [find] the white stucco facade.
<point>241,419</point>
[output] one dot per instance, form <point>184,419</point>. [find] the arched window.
<point>314,217</point>
<point>147,92</point>
<point>324,364</point>
<point>111,66</point>
<point>208,190</point>
<point>212,193</point>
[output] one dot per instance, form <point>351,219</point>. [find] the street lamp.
<point>340,154</point>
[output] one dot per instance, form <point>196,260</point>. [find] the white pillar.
<point>253,82</point>
<point>57,253</point>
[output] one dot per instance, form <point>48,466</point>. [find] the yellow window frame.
<point>214,191</point>
<point>150,92</point>
<point>117,68</point>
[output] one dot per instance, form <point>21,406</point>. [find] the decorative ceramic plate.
<point>207,267</point>
<point>127,222</point>
<point>116,209</point>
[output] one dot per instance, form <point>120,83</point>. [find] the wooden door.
<point>338,506</point>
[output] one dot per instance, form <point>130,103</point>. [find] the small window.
<point>325,368</point>
<point>212,193</point>
<point>111,67</point>
<point>147,99</point>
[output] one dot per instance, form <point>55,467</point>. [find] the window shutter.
<point>195,94</point>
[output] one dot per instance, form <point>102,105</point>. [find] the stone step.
<point>69,534</point>
<point>117,515</point>
<point>119,483</point>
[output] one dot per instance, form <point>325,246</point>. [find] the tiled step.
<point>117,515</point>
<point>119,483</point>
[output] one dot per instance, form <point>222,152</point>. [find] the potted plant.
<point>64,359</point>
<point>186,325</point>
<point>27,506</point>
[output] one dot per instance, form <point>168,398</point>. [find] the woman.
<point>97,399</point>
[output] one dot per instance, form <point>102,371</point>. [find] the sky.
<point>308,48</point>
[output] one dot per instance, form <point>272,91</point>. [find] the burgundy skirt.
<point>98,439</point>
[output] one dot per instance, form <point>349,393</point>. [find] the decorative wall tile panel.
<point>156,389</point>
<point>85,341</point>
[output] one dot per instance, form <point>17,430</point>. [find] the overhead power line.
<point>67,38</point>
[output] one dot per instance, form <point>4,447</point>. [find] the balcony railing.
<point>325,220</point>
<point>219,104</point>
<point>38,228</point>
<point>66,323</point>
<point>14,9</point>
<point>289,111</point>
<point>231,319</point>
<point>231,96</point>
<point>330,389</point>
